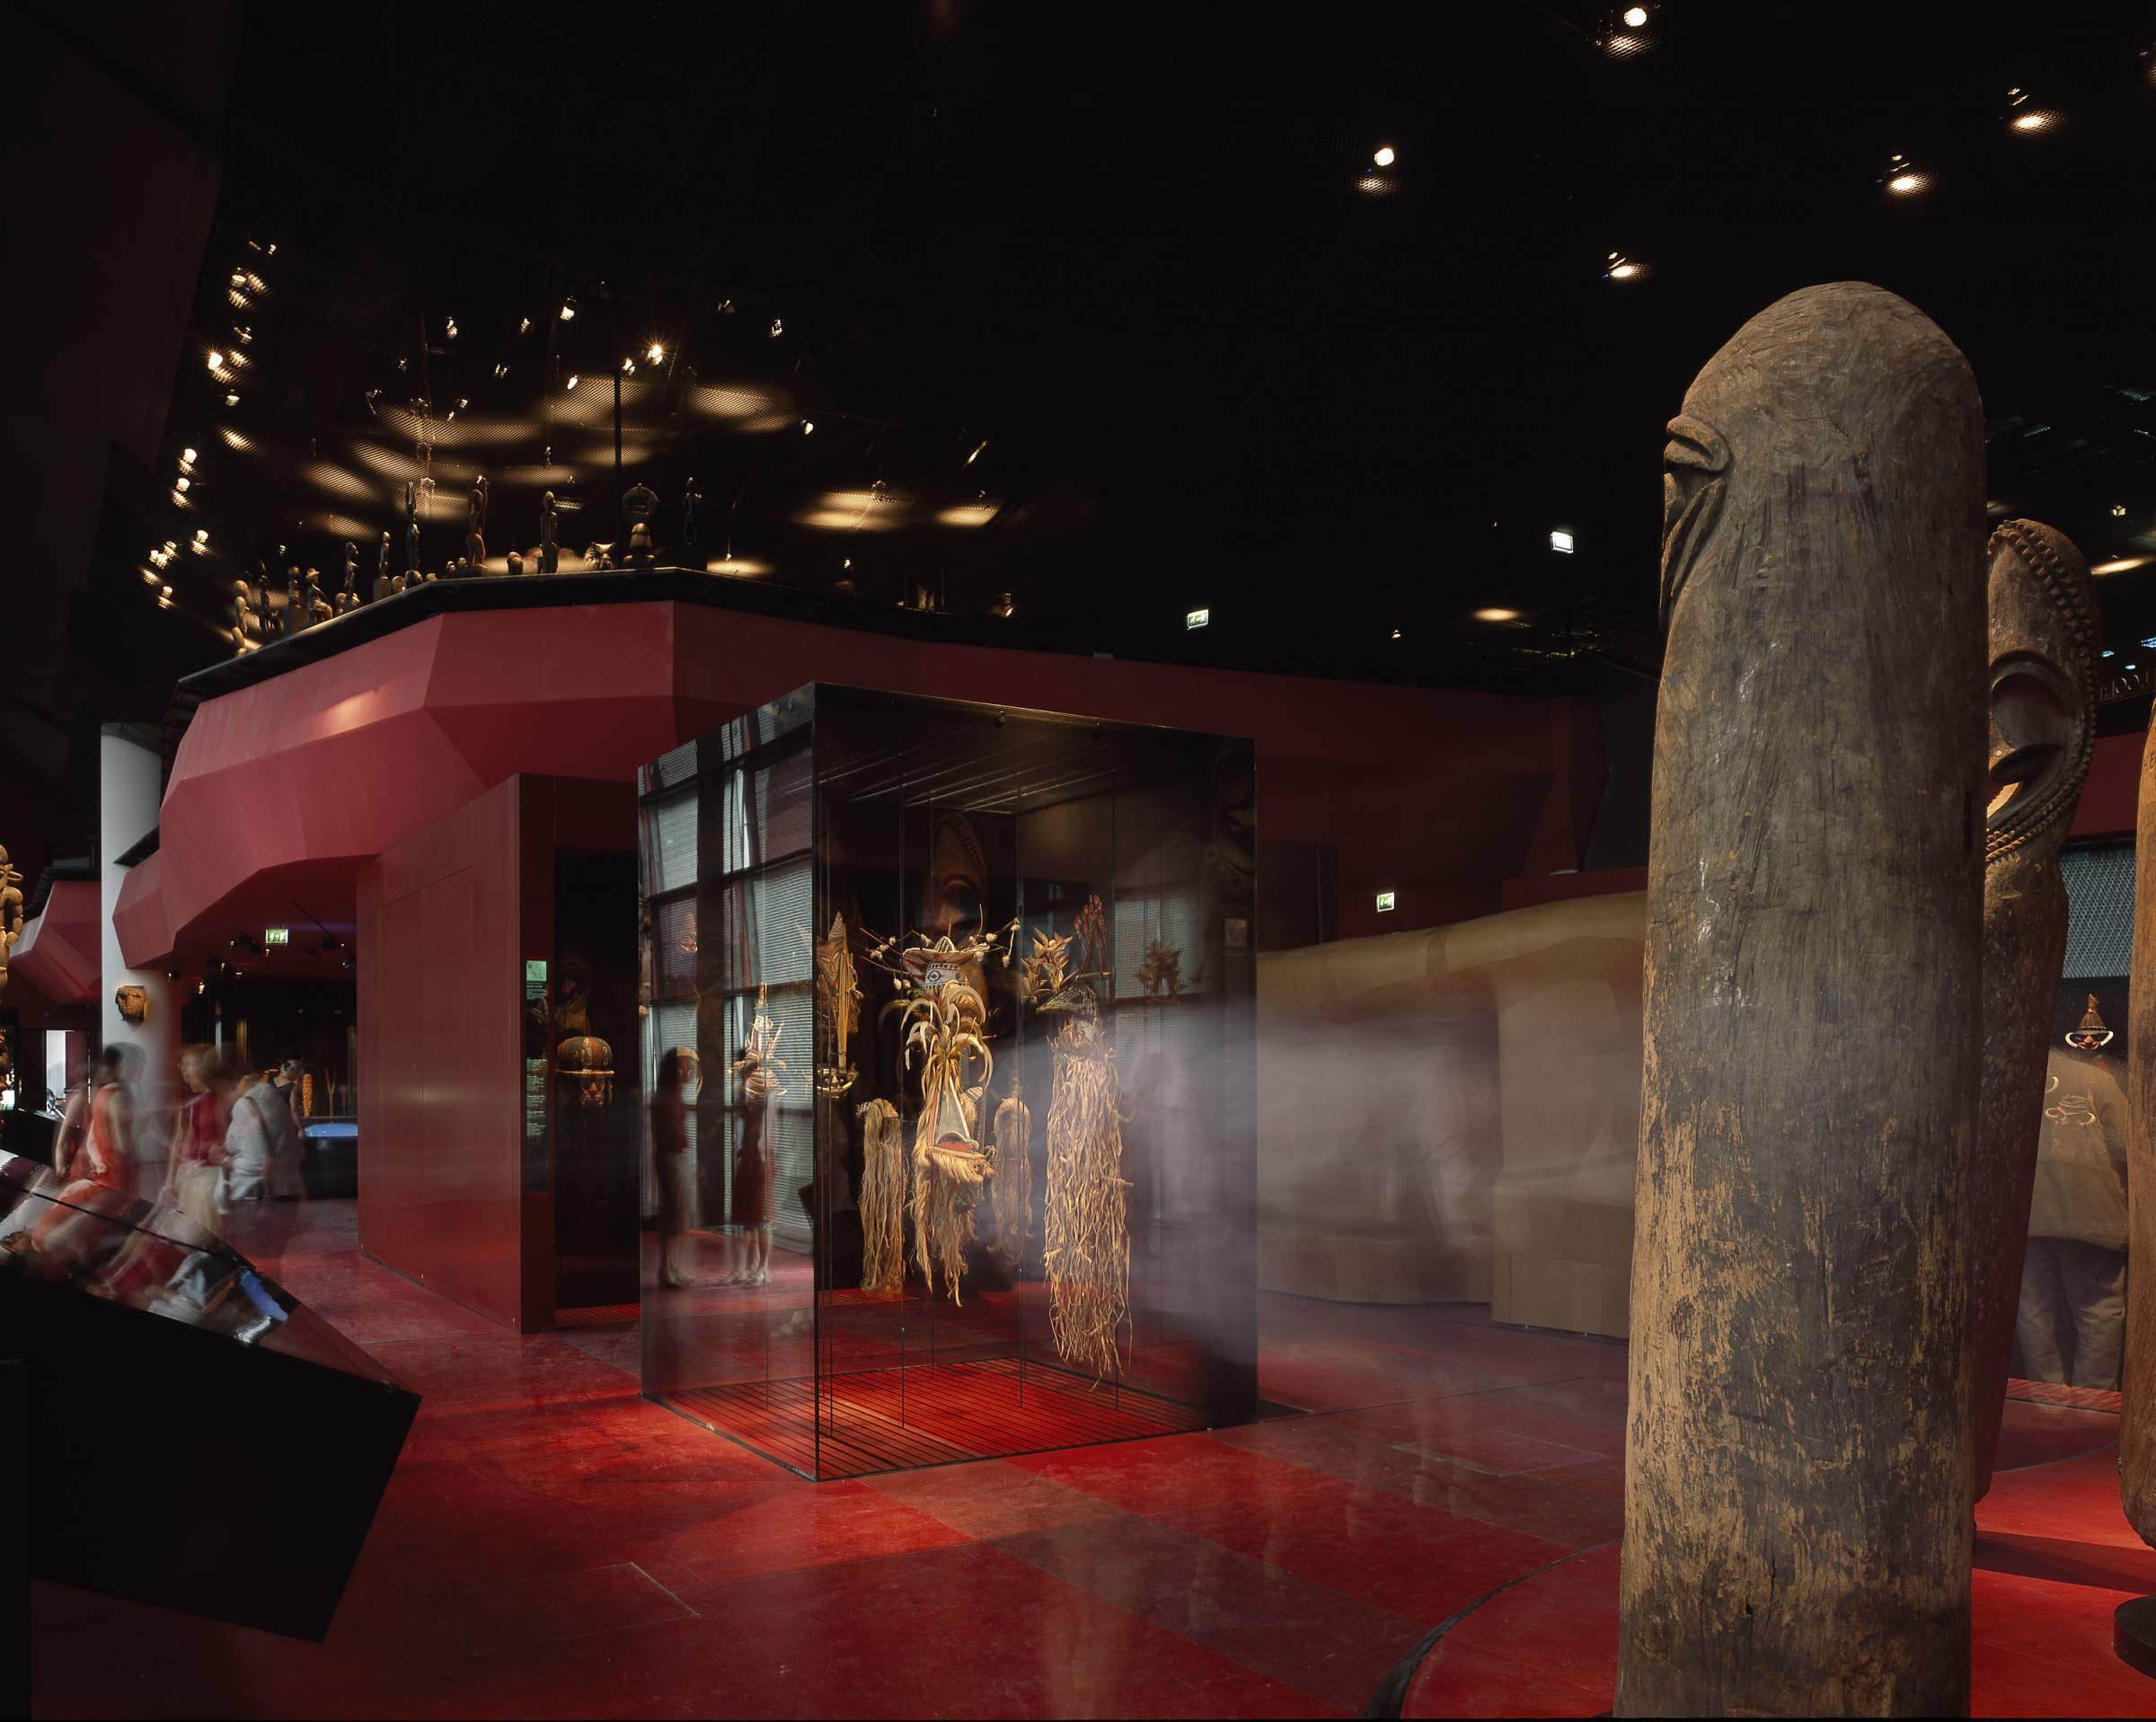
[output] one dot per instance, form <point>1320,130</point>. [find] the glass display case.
<point>948,1061</point>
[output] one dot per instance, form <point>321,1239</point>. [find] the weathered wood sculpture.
<point>2137,1635</point>
<point>1797,1471</point>
<point>2044,631</point>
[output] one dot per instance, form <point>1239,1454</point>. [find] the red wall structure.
<point>445,922</point>
<point>282,789</point>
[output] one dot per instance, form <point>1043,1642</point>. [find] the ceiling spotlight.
<point>976,454</point>
<point>239,277</point>
<point>524,325</point>
<point>149,577</point>
<point>2106,652</point>
<point>808,427</point>
<point>461,403</point>
<point>1385,155</point>
<point>2122,565</point>
<point>165,603</point>
<point>370,397</point>
<point>217,361</point>
<point>1907,182</point>
<point>245,332</point>
<point>778,327</point>
<point>2118,510</point>
<point>569,309</point>
<point>1396,633</point>
<point>1622,268</point>
<point>1496,614</point>
<point>452,329</point>
<point>231,400</point>
<point>501,370</point>
<point>1635,16</point>
<point>655,354</point>
<point>181,482</point>
<point>187,458</point>
<point>573,380</point>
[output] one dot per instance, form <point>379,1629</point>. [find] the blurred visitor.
<point>107,1153</point>
<point>672,1167</point>
<point>249,1140</point>
<point>73,1128</point>
<point>2074,1274</point>
<point>195,1162</point>
<point>279,1099</point>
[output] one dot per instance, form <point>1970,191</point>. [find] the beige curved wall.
<point>1454,1113</point>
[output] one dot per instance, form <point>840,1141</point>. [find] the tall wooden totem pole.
<point>1797,1471</point>
<point>2045,632</point>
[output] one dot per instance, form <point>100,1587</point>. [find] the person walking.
<point>107,1153</point>
<point>673,1168</point>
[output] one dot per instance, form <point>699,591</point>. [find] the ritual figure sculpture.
<point>1798,1533</point>
<point>475,532</point>
<point>11,912</point>
<point>1085,1238</point>
<point>382,585</point>
<point>412,535</point>
<point>2044,634</point>
<point>348,594</point>
<point>639,506</point>
<point>317,607</point>
<point>550,556</point>
<point>943,1021</point>
<point>690,497</point>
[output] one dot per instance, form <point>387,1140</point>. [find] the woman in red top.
<point>107,1155</point>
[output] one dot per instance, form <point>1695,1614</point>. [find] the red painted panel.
<point>60,953</point>
<point>439,1109</point>
<point>2113,792</point>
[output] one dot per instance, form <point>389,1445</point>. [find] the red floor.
<point>554,1545</point>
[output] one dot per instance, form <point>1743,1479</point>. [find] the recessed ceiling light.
<point>2117,509</point>
<point>217,361</point>
<point>1385,155</point>
<point>1635,16</point>
<point>1497,613</point>
<point>1908,182</point>
<point>654,353</point>
<point>573,380</point>
<point>2035,119</point>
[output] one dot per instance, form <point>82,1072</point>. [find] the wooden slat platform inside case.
<point>2082,1399</point>
<point>928,1414</point>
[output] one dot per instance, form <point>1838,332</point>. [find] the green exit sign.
<point>1385,903</point>
<point>1197,619</point>
<point>277,935</point>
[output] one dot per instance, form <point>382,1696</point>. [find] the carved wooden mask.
<point>2044,633</point>
<point>133,1002</point>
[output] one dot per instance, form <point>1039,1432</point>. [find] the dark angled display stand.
<point>130,1326</point>
<point>838,833</point>
<point>2134,1633</point>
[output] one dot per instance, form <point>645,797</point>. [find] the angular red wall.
<point>441,1040</point>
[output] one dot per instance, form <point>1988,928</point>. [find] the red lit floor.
<point>554,1545</point>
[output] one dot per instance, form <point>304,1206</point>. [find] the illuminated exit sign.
<point>277,935</point>
<point>1197,619</point>
<point>1385,903</point>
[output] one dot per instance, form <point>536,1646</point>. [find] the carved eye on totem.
<point>2034,715</point>
<point>1692,463</point>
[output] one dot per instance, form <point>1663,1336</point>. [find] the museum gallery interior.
<point>970,860</point>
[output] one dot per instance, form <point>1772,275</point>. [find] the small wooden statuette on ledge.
<point>550,555</point>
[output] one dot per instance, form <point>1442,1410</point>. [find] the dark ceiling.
<point>1111,311</point>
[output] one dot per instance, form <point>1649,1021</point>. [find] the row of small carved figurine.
<point>255,624</point>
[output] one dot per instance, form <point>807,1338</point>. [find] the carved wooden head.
<point>1828,438</point>
<point>2043,634</point>
<point>133,1003</point>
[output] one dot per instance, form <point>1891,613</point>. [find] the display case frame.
<point>840,828</point>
